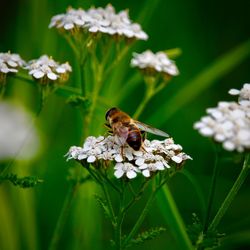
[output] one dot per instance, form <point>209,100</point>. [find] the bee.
<point>127,130</point>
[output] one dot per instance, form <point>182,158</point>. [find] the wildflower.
<point>99,20</point>
<point>9,63</point>
<point>229,122</point>
<point>45,69</point>
<point>157,156</point>
<point>244,93</point>
<point>17,135</point>
<point>154,63</point>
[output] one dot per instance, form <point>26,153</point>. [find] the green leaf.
<point>103,205</point>
<point>173,218</point>
<point>210,239</point>
<point>79,101</point>
<point>23,182</point>
<point>150,234</point>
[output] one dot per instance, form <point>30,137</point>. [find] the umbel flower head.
<point>152,64</point>
<point>99,20</point>
<point>229,122</point>
<point>157,156</point>
<point>9,63</point>
<point>46,70</point>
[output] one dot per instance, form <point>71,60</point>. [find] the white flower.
<point>45,68</point>
<point>244,93</point>
<point>158,62</point>
<point>125,168</point>
<point>229,124</point>
<point>9,63</point>
<point>102,20</point>
<point>18,138</point>
<point>157,156</point>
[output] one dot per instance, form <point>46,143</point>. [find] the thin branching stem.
<point>104,175</point>
<point>141,217</point>
<point>136,196</point>
<point>212,189</point>
<point>119,221</point>
<point>231,195</point>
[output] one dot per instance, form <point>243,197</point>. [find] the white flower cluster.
<point>19,138</point>
<point>244,93</point>
<point>157,156</point>
<point>103,20</point>
<point>46,68</point>
<point>229,122</point>
<point>10,63</point>
<point>158,62</point>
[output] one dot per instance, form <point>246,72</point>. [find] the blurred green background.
<point>205,31</point>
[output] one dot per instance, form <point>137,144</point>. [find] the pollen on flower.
<point>99,20</point>
<point>157,156</point>
<point>46,70</point>
<point>229,122</point>
<point>154,63</point>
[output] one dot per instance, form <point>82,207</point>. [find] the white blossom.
<point>229,122</point>
<point>9,63</point>
<point>125,168</point>
<point>158,62</point>
<point>244,93</point>
<point>156,155</point>
<point>18,137</point>
<point>45,68</point>
<point>102,20</point>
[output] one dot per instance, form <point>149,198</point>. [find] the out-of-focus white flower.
<point>101,20</point>
<point>244,93</point>
<point>18,138</point>
<point>157,156</point>
<point>229,124</point>
<point>158,62</point>
<point>9,63</point>
<point>46,69</point>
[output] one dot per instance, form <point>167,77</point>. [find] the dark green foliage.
<point>23,182</point>
<point>103,205</point>
<point>209,239</point>
<point>150,234</point>
<point>79,101</point>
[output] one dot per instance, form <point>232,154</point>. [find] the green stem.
<point>137,195</point>
<point>109,203</point>
<point>83,84</point>
<point>231,195</point>
<point>63,217</point>
<point>173,218</point>
<point>141,218</point>
<point>120,217</point>
<point>2,90</point>
<point>212,190</point>
<point>144,102</point>
<point>97,87</point>
<point>119,57</point>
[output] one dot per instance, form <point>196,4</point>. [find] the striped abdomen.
<point>134,139</point>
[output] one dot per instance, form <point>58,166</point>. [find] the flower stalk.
<point>232,193</point>
<point>212,189</point>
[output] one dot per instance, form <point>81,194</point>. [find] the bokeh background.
<point>205,31</point>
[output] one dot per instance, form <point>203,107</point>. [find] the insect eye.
<point>109,112</point>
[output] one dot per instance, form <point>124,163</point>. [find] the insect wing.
<point>121,134</point>
<point>149,129</point>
